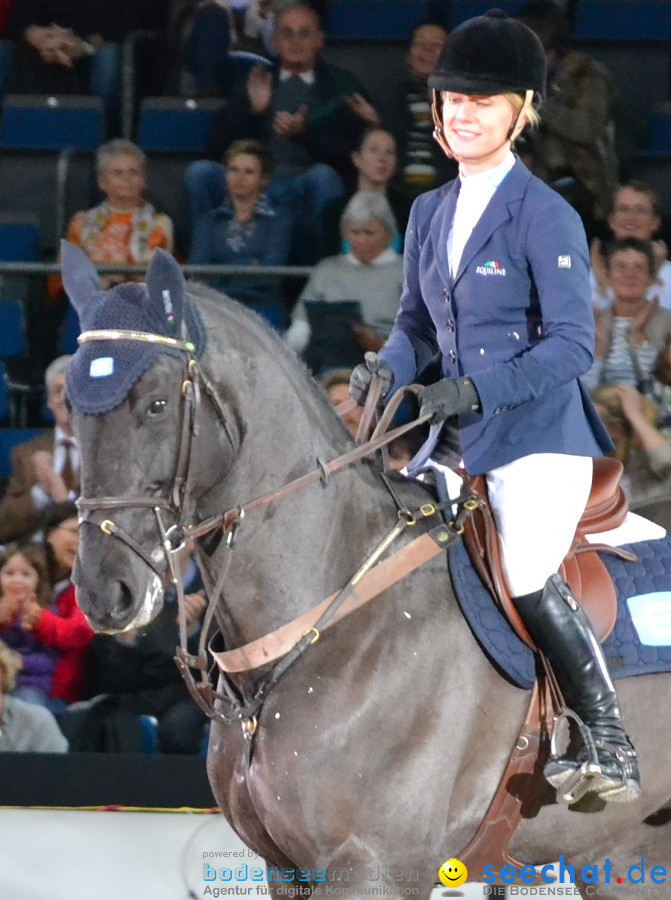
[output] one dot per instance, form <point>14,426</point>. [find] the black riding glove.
<point>449,397</point>
<point>363,375</point>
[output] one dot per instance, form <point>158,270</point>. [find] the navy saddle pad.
<point>626,653</point>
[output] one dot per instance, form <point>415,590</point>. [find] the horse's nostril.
<point>123,602</point>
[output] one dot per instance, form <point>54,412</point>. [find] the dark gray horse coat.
<point>381,747</point>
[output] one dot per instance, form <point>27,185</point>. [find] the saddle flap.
<point>607,504</point>
<point>582,568</point>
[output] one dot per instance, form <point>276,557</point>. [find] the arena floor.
<point>119,855</point>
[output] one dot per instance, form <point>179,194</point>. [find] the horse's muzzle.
<point>121,605</point>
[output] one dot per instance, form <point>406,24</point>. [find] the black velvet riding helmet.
<point>491,54</point>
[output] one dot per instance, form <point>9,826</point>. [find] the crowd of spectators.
<point>301,168</point>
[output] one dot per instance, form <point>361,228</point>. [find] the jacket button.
<point>452,356</point>
<point>450,324</point>
<point>446,294</point>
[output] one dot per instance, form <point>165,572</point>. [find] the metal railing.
<point>21,395</point>
<point>44,268</point>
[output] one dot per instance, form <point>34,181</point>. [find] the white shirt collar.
<point>491,178</point>
<point>307,77</point>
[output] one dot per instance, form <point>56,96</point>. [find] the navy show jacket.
<point>517,319</point>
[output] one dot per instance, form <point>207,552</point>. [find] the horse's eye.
<point>156,407</point>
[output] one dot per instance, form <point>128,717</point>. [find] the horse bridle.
<point>96,510</point>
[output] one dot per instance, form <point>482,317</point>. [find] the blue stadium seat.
<point>623,20</point>
<point>69,332</point>
<point>175,124</point>
<point>12,329</point>
<point>148,734</point>
<point>19,238</point>
<point>13,345</point>
<point>4,399</point>
<point>658,141</point>
<point>466,9</point>
<point>42,122</point>
<point>374,19</point>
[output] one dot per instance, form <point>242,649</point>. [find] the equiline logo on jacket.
<point>491,267</point>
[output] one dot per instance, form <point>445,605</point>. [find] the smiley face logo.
<point>453,873</point>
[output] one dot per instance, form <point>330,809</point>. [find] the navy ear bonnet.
<point>101,373</point>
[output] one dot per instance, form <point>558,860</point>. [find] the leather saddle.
<point>582,568</point>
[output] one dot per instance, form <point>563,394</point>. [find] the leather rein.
<point>174,522</point>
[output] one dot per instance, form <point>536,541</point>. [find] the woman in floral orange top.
<point>123,228</point>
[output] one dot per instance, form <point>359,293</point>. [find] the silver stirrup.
<point>584,779</point>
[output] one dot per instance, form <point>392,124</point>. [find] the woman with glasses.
<point>633,329</point>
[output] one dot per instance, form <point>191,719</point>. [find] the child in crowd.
<point>24,594</point>
<point>39,616</point>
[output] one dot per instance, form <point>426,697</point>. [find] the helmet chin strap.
<point>437,115</point>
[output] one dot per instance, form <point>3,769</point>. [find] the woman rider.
<point>497,284</point>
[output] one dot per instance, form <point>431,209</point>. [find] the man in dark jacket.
<point>311,114</point>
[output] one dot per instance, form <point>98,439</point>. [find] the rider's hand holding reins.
<point>363,375</point>
<point>449,397</point>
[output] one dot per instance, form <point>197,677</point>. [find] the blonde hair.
<point>9,665</point>
<point>518,103</point>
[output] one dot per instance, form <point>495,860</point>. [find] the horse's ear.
<point>80,278</point>
<point>167,288</point>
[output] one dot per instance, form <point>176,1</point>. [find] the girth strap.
<point>518,795</point>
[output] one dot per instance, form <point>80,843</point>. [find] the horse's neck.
<point>295,550</point>
<point>291,552</point>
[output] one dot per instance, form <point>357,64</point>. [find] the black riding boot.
<point>564,635</point>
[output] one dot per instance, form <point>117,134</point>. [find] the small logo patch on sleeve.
<point>101,367</point>
<point>564,262</point>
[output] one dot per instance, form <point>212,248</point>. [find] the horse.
<point>378,751</point>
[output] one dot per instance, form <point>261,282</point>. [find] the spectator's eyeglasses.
<point>629,268</point>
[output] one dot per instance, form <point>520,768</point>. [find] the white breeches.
<point>537,502</point>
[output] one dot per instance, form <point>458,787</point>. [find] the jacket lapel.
<point>440,229</point>
<point>496,213</point>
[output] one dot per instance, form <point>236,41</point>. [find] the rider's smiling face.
<point>477,128</point>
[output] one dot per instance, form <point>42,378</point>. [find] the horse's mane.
<point>266,339</point>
